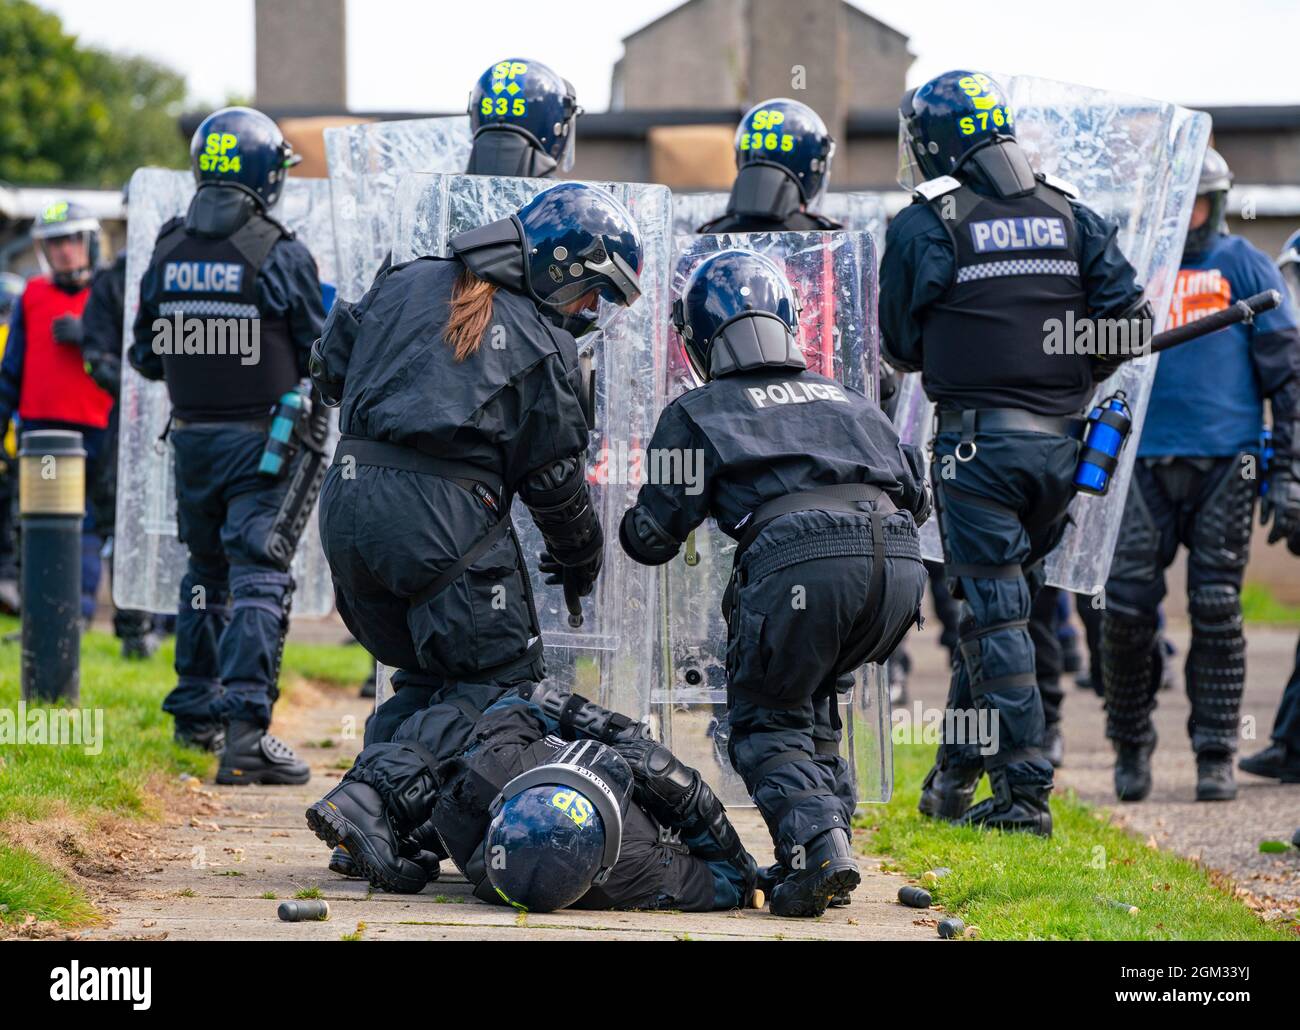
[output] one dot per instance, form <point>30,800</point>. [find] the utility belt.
<point>840,498</point>
<point>256,425</point>
<point>487,486</point>
<point>1001,420</point>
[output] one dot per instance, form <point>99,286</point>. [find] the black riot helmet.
<point>737,312</point>
<point>523,118</point>
<point>557,829</point>
<point>572,247</point>
<point>61,219</point>
<point>1214,183</point>
<point>960,124</point>
<point>783,159</point>
<point>243,148</point>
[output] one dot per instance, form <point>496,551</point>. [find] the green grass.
<point>1075,886</point>
<point>1259,606</point>
<point>40,781</point>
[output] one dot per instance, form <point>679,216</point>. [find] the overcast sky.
<point>423,56</point>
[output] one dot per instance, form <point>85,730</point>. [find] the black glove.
<point>67,329</point>
<point>1281,504</point>
<point>578,579</point>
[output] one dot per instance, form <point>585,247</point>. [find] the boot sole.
<point>1130,796</point>
<point>842,879</point>
<point>1289,776</point>
<point>1216,794</point>
<point>264,777</point>
<point>335,830</point>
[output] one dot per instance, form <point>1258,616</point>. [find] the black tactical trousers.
<point>1206,505</point>
<point>799,624</point>
<point>1000,513</point>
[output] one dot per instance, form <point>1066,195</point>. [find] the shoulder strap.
<point>255,238</point>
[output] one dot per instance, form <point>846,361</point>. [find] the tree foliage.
<point>76,115</point>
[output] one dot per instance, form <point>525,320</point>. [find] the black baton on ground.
<point>1242,311</point>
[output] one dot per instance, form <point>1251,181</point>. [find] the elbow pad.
<point>577,718</point>
<point>560,503</point>
<point>644,540</point>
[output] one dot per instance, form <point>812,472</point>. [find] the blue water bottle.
<point>282,440</point>
<point>1108,428</point>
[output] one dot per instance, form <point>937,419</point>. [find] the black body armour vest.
<point>1017,271</point>
<point>218,369</point>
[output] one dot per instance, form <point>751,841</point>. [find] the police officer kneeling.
<point>460,386</point>
<point>975,272</point>
<point>228,261</point>
<point>810,478</point>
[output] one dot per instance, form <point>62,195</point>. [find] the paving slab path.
<point>206,871</point>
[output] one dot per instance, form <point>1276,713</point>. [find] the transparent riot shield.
<point>608,656</point>
<point>856,211</point>
<point>834,276</point>
<point>365,163</point>
<point>148,559</point>
<point>1135,161</point>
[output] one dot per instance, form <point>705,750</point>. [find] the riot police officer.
<point>11,292</point>
<point>101,348</point>
<point>968,308</point>
<point>1195,484</point>
<point>1281,759</point>
<point>783,162</point>
<point>809,477</point>
<point>535,821</point>
<point>523,116</point>
<point>460,387</point>
<point>229,265</point>
<point>42,378</point>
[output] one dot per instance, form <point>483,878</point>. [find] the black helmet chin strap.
<point>753,339</point>
<point>765,190</point>
<point>508,150</point>
<point>495,253</point>
<point>1003,165</point>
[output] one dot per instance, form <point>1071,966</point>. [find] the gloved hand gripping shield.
<point>149,560</point>
<point>1133,160</point>
<point>834,278</point>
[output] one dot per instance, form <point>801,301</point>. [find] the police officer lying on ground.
<point>442,427</point>
<point>973,273</point>
<point>523,117</point>
<point>783,157</point>
<point>534,821</point>
<point>228,259</point>
<point>809,476</point>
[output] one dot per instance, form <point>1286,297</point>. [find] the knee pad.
<point>1216,664</point>
<point>1216,611</point>
<point>1130,673</point>
<point>404,775</point>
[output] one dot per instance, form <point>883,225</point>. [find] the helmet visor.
<point>1289,266</point>
<point>910,174</point>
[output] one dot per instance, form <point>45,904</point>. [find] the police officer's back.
<point>229,307</point>
<point>809,476</point>
<point>975,273</point>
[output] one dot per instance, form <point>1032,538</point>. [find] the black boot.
<point>829,870</point>
<point>1013,806</point>
<point>1133,770</point>
<point>770,875</point>
<point>370,686</point>
<point>341,863</point>
<point>254,756</point>
<point>947,792</point>
<point>1214,779</point>
<point>898,667</point>
<point>353,815</point>
<point>206,736</point>
<point>1277,762</point>
<point>139,646</point>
